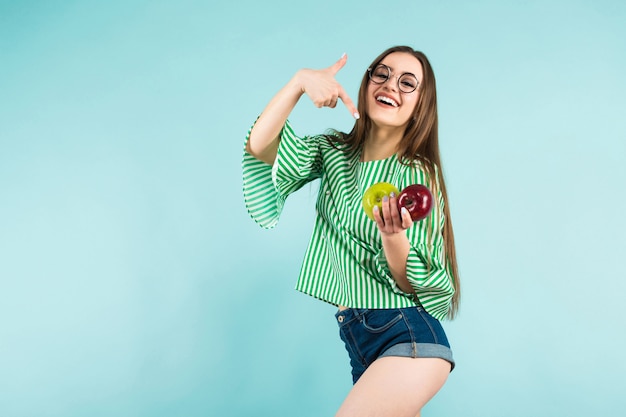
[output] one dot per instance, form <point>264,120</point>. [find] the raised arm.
<point>322,89</point>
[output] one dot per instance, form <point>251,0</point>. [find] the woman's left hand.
<point>392,220</point>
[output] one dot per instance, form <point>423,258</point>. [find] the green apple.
<point>373,197</point>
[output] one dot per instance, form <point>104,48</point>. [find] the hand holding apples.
<point>416,199</point>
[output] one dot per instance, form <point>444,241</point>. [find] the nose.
<point>391,83</point>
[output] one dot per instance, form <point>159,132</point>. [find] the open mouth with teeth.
<point>387,101</point>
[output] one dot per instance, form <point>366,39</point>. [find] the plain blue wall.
<point>133,283</point>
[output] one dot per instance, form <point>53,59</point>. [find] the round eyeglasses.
<point>407,82</point>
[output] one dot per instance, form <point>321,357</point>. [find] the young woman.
<point>392,279</point>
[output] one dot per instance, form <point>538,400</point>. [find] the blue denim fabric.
<point>370,334</point>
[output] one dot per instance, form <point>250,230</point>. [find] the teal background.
<point>133,282</point>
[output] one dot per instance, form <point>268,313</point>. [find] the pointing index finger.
<point>347,101</point>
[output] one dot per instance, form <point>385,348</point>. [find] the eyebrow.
<point>391,68</point>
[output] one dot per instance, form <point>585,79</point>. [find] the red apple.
<point>417,199</point>
<point>373,197</point>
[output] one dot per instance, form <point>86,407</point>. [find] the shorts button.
<point>340,319</point>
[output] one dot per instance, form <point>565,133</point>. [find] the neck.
<point>381,143</point>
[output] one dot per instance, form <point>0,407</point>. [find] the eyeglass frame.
<point>389,74</point>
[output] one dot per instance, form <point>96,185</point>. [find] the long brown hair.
<point>419,143</point>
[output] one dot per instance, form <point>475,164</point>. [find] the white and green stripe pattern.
<point>344,263</point>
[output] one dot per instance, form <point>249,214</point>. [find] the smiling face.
<point>387,105</point>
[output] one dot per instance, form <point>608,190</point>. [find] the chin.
<point>387,118</point>
<point>389,122</point>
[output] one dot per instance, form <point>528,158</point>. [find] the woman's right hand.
<point>322,87</point>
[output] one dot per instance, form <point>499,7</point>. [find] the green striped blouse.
<point>344,263</point>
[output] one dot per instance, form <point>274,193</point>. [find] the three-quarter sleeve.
<point>266,187</point>
<point>426,265</point>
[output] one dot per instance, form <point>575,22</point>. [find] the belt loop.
<point>358,313</point>
<point>416,300</point>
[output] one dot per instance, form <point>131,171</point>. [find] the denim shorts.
<point>370,334</point>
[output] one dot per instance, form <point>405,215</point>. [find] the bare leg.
<point>395,386</point>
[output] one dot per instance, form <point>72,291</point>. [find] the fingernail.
<point>375,209</point>
<point>404,210</point>
<point>343,55</point>
<point>392,195</point>
<point>356,115</point>
<point>385,199</point>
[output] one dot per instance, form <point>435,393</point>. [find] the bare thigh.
<point>395,386</point>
